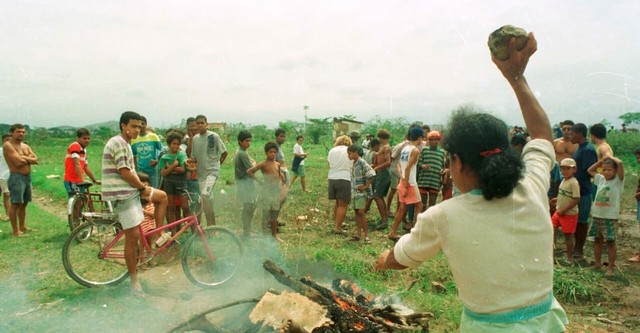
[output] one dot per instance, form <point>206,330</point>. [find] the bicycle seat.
<point>96,216</point>
<point>84,185</point>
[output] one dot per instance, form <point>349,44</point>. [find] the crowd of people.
<point>503,194</point>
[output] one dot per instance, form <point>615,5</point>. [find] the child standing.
<point>370,156</point>
<point>605,211</point>
<point>273,188</point>
<point>566,207</point>
<point>430,166</point>
<point>361,177</point>
<point>245,184</point>
<point>173,171</point>
<point>298,164</point>
<point>149,207</point>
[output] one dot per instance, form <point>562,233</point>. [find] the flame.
<point>343,305</point>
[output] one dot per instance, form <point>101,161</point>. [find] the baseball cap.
<point>568,162</point>
<point>433,135</point>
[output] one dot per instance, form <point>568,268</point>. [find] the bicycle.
<point>85,201</point>
<point>93,254</point>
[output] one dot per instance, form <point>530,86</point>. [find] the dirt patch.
<point>169,290</point>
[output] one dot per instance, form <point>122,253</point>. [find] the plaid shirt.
<point>360,172</point>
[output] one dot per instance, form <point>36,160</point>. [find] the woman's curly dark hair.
<point>470,133</point>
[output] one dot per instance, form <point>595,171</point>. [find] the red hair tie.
<point>488,153</point>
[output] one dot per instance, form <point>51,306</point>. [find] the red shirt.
<point>75,151</point>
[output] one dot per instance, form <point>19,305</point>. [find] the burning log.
<point>348,313</point>
<point>314,308</point>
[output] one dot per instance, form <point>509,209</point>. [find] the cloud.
<point>338,57</point>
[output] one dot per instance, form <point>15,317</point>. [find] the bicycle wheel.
<point>76,206</point>
<point>211,259</point>
<point>82,251</point>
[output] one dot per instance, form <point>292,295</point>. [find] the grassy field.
<point>37,294</point>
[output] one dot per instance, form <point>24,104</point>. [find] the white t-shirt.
<point>4,168</point>
<point>500,252</point>
<point>297,149</point>
<point>607,202</point>
<point>395,156</point>
<point>339,163</point>
<point>405,155</point>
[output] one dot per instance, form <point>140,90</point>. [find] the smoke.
<point>170,298</point>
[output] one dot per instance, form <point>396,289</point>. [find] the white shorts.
<point>129,212</point>
<point>3,186</point>
<point>206,186</point>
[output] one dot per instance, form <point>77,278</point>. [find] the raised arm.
<point>535,118</point>
<point>593,169</point>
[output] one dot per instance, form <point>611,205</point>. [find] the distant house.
<point>342,126</point>
<point>219,128</point>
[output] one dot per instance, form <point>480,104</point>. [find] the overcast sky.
<point>82,62</point>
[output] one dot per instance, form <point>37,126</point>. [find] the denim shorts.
<point>19,188</point>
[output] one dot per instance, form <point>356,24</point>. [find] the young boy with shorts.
<point>382,182</point>
<point>408,192</point>
<point>371,157</point>
<point>273,188</point>
<point>361,177</point>
<point>566,207</point>
<point>148,209</point>
<point>298,164</point>
<point>605,211</point>
<point>245,184</point>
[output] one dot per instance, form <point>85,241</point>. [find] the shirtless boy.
<point>383,177</point>
<point>563,146</point>
<point>19,157</point>
<point>273,189</point>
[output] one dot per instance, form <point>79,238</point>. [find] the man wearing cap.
<point>355,137</point>
<point>566,214</point>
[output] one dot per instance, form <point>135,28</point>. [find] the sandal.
<point>338,232</point>
<point>355,238</point>
<point>634,259</point>
<point>393,238</point>
<point>367,240</point>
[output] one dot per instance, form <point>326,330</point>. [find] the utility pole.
<point>305,108</point>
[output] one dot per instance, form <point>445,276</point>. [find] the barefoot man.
<point>563,146</point>
<point>19,157</point>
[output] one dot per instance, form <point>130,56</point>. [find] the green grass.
<point>33,272</point>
